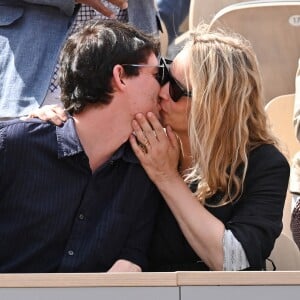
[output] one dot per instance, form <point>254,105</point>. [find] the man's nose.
<point>163,93</point>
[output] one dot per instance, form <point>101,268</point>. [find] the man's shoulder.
<point>19,129</point>
<point>18,124</point>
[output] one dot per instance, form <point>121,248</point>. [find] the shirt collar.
<point>69,144</point>
<point>125,152</point>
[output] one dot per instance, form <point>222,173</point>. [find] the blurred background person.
<point>32,33</point>
<point>173,13</point>
<point>295,168</point>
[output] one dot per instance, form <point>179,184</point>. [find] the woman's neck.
<point>186,158</point>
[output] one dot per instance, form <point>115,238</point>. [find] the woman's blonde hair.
<point>227,117</point>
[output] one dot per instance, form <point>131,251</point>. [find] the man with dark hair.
<point>74,198</point>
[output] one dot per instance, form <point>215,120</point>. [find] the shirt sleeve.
<point>235,258</point>
<point>66,6</point>
<point>257,215</point>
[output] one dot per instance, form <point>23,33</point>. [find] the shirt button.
<point>81,217</point>
<point>71,253</point>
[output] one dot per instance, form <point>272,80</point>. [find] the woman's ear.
<point>118,76</point>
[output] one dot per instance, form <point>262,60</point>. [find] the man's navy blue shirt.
<point>58,216</point>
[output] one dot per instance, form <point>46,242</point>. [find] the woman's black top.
<point>255,218</point>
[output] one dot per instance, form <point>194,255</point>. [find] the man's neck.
<point>101,132</point>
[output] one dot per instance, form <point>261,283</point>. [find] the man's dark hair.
<point>88,58</point>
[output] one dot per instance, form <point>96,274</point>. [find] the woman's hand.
<point>159,157</point>
<point>53,113</point>
<point>100,7</point>
<point>157,149</point>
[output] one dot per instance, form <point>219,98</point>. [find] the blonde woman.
<point>227,211</point>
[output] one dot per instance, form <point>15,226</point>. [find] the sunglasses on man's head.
<point>160,76</point>
<point>176,90</point>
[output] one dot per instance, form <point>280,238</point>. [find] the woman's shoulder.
<point>267,163</point>
<point>267,154</point>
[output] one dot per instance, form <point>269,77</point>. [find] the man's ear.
<point>118,76</point>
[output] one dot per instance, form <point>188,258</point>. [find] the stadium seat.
<point>273,29</point>
<point>280,113</point>
<point>206,10</point>
<point>285,255</point>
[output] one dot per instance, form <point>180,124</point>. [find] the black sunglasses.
<point>176,90</point>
